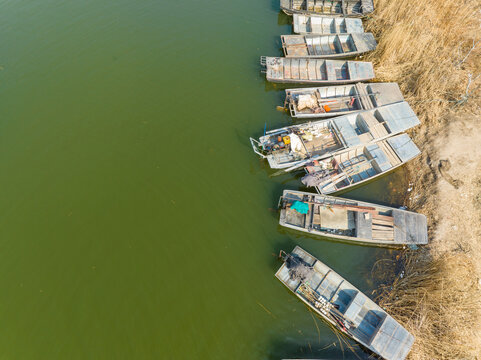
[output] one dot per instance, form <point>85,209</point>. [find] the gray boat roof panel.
<point>354,25</point>
<point>364,41</point>
<point>404,147</point>
<point>390,340</point>
<point>410,227</point>
<point>360,70</point>
<point>385,93</point>
<point>347,132</point>
<point>399,117</point>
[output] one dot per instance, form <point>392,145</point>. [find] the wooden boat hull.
<point>390,227</point>
<point>332,46</point>
<point>342,100</point>
<point>316,71</point>
<point>316,24</point>
<point>346,8</point>
<point>342,305</point>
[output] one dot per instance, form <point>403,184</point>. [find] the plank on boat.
<point>342,305</point>
<point>293,146</point>
<point>331,46</point>
<point>315,71</point>
<point>354,167</point>
<point>344,8</point>
<point>315,24</point>
<point>329,101</point>
<point>350,220</point>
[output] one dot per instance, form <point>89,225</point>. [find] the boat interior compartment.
<point>317,45</point>
<point>316,70</point>
<point>312,24</point>
<point>353,166</point>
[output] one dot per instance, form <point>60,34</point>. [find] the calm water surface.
<point>135,221</point>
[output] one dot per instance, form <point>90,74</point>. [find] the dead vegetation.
<point>438,308</point>
<point>432,48</point>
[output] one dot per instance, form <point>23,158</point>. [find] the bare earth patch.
<point>459,210</point>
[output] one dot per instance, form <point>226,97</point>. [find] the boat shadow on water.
<point>282,17</point>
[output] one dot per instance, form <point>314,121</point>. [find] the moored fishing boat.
<point>345,8</point>
<point>331,46</point>
<point>315,24</point>
<point>343,306</point>
<point>351,220</point>
<point>357,166</point>
<point>293,146</point>
<point>328,101</point>
<point>315,71</point>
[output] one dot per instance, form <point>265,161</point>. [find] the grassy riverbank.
<point>431,49</point>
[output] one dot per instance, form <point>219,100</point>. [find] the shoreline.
<point>436,66</point>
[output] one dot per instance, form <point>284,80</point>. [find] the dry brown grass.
<point>436,301</point>
<point>422,45</point>
<point>426,46</point>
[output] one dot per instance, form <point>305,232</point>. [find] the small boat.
<point>315,24</point>
<point>350,220</point>
<point>355,167</point>
<point>343,306</point>
<point>294,146</point>
<point>344,8</point>
<point>315,71</point>
<point>331,46</point>
<point>337,100</point>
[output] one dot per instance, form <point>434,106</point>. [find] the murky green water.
<point>135,221</point>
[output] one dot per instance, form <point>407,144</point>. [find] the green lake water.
<point>135,221</point>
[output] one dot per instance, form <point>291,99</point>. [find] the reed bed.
<point>432,49</point>
<point>437,300</point>
<point>427,47</point>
